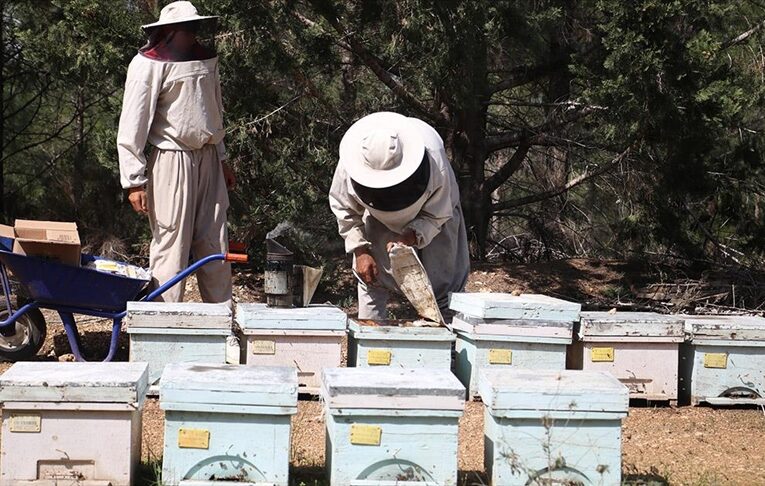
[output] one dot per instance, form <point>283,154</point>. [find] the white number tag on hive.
<point>25,423</point>
<point>263,347</point>
<point>602,355</point>
<point>716,360</point>
<point>366,434</point>
<point>501,356</point>
<point>378,357</point>
<point>194,438</point>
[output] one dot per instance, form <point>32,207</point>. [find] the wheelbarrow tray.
<point>53,283</point>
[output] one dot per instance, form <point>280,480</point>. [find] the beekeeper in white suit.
<point>173,101</point>
<point>394,183</point>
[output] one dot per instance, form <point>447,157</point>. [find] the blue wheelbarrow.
<point>71,290</point>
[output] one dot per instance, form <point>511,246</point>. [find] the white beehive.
<point>723,362</point>
<point>388,426</point>
<point>71,423</point>
<point>504,331</point>
<point>641,349</point>
<point>165,332</point>
<point>308,338</point>
<point>398,344</point>
<point>227,423</point>
<point>552,427</point>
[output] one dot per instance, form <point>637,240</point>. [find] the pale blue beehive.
<point>389,426</point>
<point>641,349</point>
<point>71,422</point>
<point>308,338</point>
<point>227,423</point>
<point>552,427</point>
<point>724,361</point>
<point>166,332</point>
<point>398,344</point>
<point>504,331</point>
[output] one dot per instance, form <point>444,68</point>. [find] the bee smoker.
<point>278,275</point>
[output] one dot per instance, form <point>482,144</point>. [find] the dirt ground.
<point>662,445</point>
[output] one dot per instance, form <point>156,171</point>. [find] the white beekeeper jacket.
<point>168,104</point>
<point>436,219</point>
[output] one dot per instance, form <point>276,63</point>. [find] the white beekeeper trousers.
<point>188,200</point>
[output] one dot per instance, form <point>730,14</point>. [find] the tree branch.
<point>743,37</point>
<point>521,75</point>
<point>544,195</point>
<point>510,167</point>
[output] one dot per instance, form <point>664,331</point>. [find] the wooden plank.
<point>74,382</point>
<point>508,306</point>
<point>178,315</point>
<point>733,328</point>
<point>525,328</point>
<point>633,325</point>
<point>251,317</point>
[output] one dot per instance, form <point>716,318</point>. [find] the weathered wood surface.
<point>648,369</point>
<point>74,382</point>
<point>549,390</point>
<point>513,327</point>
<point>508,306</point>
<point>735,328</point>
<point>174,315</point>
<point>474,353</point>
<point>105,446</point>
<point>177,346</point>
<point>381,331</point>
<point>241,448</point>
<point>630,325</point>
<point>217,384</point>
<point>570,450</point>
<point>252,317</point>
<point>390,388</point>
<point>720,381</point>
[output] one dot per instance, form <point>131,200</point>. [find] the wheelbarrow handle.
<point>236,258</point>
<point>229,257</point>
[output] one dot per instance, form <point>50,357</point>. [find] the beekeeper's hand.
<point>139,200</point>
<point>408,238</point>
<point>366,266</point>
<point>228,176</point>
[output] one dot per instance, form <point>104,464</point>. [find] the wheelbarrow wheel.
<point>28,338</point>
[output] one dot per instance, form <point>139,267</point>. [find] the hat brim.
<point>412,146</point>
<point>194,18</point>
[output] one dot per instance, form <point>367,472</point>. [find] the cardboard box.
<point>53,240</point>
<point>7,235</point>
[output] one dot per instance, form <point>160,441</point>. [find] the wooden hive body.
<point>162,333</point>
<point>560,427</point>
<point>641,349</point>
<point>227,423</point>
<point>399,346</point>
<point>388,426</point>
<point>723,362</point>
<point>308,338</point>
<point>71,422</point>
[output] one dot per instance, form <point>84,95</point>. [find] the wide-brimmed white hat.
<point>178,12</point>
<point>382,149</point>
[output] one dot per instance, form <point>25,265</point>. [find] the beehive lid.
<point>404,330</point>
<point>726,328</point>
<point>508,306</point>
<point>171,316</point>
<point>552,390</point>
<point>630,324</point>
<point>74,382</point>
<point>251,317</point>
<point>376,388</point>
<point>231,385</point>
<point>521,328</point>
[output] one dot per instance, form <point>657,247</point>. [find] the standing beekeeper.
<point>394,184</point>
<point>173,101</point>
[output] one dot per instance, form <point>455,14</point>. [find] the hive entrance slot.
<point>395,472</point>
<point>740,392</point>
<point>558,475</point>
<point>65,469</point>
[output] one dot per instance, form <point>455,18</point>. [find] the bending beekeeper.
<point>394,184</point>
<point>173,101</point>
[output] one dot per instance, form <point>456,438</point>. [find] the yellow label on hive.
<point>500,356</point>
<point>25,423</point>
<point>366,434</point>
<point>602,355</point>
<point>715,360</point>
<point>194,438</point>
<point>379,357</point>
<point>263,347</point>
